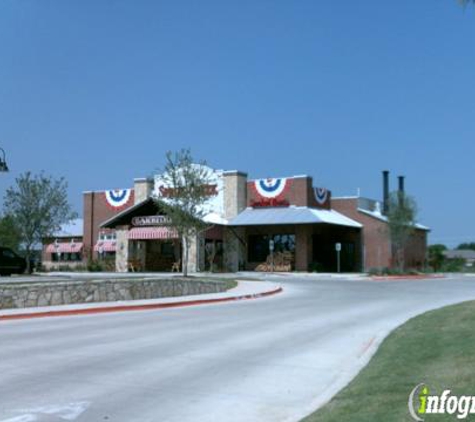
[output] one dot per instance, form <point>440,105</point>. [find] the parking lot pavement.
<point>272,359</point>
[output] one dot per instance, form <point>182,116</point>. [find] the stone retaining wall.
<point>67,292</point>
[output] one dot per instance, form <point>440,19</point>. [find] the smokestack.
<point>401,184</point>
<point>385,192</point>
<point>401,190</point>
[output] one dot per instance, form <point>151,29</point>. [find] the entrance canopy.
<point>64,247</point>
<point>291,215</point>
<point>146,233</point>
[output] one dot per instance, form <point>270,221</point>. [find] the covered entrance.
<point>153,248</point>
<point>299,238</point>
<point>145,241</point>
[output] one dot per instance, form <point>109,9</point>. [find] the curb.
<point>408,277</point>
<point>124,308</point>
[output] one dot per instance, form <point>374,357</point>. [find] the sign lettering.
<point>151,220</point>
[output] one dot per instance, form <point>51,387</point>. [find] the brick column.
<point>303,247</point>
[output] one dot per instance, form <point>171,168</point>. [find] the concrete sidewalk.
<point>243,291</point>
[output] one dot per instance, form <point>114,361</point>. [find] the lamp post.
<point>3,162</point>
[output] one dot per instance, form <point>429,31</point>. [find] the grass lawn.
<point>437,348</point>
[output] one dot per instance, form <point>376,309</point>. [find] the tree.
<point>464,246</point>
<point>436,256</point>
<point>185,198</point>
<point>10,235</point>
<point>38,205</point>
<point>401,223</point>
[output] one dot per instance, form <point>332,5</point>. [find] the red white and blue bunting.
<point>321,195</point>
<point>118,198</point>
<point>271,188</point>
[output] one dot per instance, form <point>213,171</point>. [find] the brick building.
<point>281,223</point>
<point>65,247</point>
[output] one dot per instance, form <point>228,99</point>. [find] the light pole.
<point>3,162</point>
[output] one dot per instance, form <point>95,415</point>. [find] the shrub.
<point>94,266</point>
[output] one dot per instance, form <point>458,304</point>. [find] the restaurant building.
<point>65,247</point>
<point>273,224</point>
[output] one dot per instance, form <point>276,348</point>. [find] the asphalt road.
<point>272,359</point>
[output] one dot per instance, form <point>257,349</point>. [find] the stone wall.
<point>17,295</point>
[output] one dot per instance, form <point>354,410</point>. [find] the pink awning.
<point>145,233</point>
<point>64,247</point>
<point>105,246</point>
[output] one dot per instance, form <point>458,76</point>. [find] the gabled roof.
<point>146,207</point>
<point>150,207</point>
<point>291,215</point>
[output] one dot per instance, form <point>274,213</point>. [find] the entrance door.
<point>160,255</point>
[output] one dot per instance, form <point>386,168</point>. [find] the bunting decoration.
<point>271,188</point>
<point>118,198</point>
<point>321,195</point>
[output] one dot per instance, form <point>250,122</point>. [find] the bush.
<point>454,265</point>
<point>95,266</point>
<point>391,271</point>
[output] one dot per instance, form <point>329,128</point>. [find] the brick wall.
<point>375,236</point>
<point>376,241</point>
<point>96,211</point>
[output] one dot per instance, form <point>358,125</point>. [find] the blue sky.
<point>98,91</point>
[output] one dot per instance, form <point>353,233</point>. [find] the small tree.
<point>10,235</point>
<point>436,256</point>
<point>38,205</point>
<point>401,223</point>
<point>186,197</point>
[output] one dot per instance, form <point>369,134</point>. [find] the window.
<point>66,257</point>
<point>107,236</point>
<point>258,245</point>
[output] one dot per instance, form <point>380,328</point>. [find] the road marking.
<point>69,412</point>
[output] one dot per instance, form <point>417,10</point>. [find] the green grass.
<point>437,348</point>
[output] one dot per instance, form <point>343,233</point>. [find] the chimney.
<point>401,183</point>
<point>235,193</point>
<point>401,190</point>
<point>143,188</point>
<point>385,192</point>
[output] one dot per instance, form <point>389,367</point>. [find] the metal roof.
<point>291,215</point>
<point>72,229</point>
<point>382,217</point>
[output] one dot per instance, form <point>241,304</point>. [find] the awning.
<point>291,215</point>
<point>64,247</point>
<point>145,233</point>
<point>105,246</point>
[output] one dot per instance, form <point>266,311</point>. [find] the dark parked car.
<point>10,262</point>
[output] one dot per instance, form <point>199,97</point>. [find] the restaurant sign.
<point>151,220</point>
